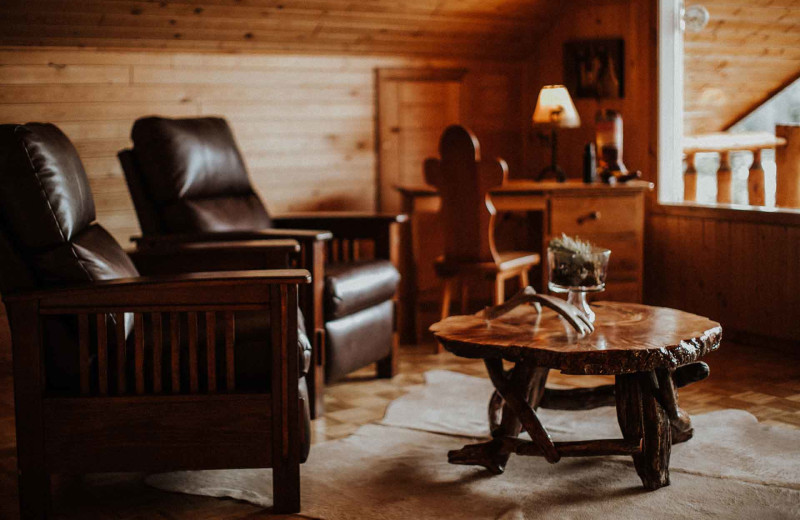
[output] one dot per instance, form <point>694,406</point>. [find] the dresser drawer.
<point>583,216</point>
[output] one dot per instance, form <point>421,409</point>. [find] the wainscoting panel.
<point>741,268</point>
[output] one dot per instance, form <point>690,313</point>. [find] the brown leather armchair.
<point>189,184</point>
<point>114,371</point>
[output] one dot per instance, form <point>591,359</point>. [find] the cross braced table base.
<point>647,411</point>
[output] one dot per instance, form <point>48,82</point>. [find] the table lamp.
<point>554,110</point>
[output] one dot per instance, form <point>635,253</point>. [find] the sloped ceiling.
<point>749,50</point>
<point>504,29</point>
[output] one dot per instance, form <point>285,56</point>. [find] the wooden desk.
<point>610,216</point>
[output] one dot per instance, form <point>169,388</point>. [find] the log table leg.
<point>603,395</point>
<point>641,416</point>
<point>647,411</point>
<point>518,394</point>
<point>521,392</point>
<point>679,420</point>
<point>512,408</point>
<point>682,429</point>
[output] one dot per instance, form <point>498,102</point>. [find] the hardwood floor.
<point>766,383</point>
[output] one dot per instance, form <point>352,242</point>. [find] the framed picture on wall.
<point>595,68</point>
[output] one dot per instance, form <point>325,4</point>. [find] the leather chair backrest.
<point>187,175</point>
<point>47,214</point>
<point>48,236</point>
<point>146,212</point>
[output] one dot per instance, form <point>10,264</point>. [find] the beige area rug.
<point>733,468</point>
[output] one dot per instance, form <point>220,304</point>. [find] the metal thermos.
<point>589,163</point>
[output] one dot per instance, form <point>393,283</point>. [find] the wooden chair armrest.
<point>308,218</point>
<point>286,245</point>
<point>346,225</point>
<point>217,289</point>
<point>186,257</point>
<point>303,236</point>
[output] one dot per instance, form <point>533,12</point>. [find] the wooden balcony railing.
<point>787,161</point>
<point>725,144</point>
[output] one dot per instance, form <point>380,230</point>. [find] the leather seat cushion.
<point>354,286</point>
<point>359,339</point>
<point>253,328</point>
<point>92,255</point>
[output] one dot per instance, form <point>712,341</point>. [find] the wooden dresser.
<point>532,213</point>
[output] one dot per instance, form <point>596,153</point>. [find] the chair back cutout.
<point>464,181</point>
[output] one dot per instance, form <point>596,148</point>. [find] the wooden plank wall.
<point>632,20</point>
<point>739,270</point>
<point>305,124</point>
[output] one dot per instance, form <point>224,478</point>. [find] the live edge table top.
<point>628,338</point>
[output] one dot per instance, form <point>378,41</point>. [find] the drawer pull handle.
<point>594,215</point>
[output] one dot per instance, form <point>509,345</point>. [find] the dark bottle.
<point>589,163</point>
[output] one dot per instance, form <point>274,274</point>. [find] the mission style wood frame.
<point>114,425</point>
<point>324,237</point>
<point>645,390</point>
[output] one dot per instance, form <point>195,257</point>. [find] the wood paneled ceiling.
<point>505,29</point>
<point>749,51</point>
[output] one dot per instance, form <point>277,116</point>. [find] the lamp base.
<point>553,168</point>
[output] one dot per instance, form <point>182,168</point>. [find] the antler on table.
<point>569,312</point>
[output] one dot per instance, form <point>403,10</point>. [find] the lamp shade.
<point>555,108</point>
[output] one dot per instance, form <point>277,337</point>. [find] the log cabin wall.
<point>635,22</point>
<point>295,78</point>
<point>305,124</point>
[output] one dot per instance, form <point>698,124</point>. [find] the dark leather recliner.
<point>100,354</point>
<point>188,182</point>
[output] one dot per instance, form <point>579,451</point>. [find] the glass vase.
<point>578,274</point>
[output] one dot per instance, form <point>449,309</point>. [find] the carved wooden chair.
<point>189,184</point>
<point>464,181</point>
<point>114,371</point>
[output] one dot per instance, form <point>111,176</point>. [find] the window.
<point>712,116</point>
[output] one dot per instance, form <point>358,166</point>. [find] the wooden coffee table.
<point>651,351</point>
